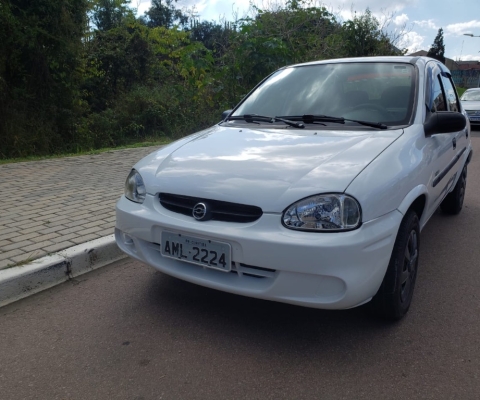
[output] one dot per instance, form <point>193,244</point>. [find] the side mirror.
<point>444,122</point>
<point>225,114</point>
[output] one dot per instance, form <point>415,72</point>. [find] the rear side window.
<point>439,103</point>
<point>450,93</point>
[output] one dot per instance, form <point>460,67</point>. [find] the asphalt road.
<point>129,332</point>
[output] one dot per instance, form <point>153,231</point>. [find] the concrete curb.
<point>25,280</point>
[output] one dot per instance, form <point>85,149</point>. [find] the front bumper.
<point>271,262</point>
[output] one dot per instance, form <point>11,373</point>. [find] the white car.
<point>471,102</point>
<point>312,191</point>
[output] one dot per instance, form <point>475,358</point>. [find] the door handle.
<point>454,142</point>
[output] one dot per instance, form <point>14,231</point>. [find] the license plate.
<point>204,252</point>
<point>474,118</point>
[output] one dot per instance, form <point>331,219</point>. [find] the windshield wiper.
<point>310,119</point>
<point>326,118</point>
<point>307,118</point>
<point>256,117</point>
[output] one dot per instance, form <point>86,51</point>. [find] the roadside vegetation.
<point>147,143</point>
<point>460,90</point>
<point>81,75</point>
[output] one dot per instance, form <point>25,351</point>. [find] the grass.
<point>83,153</point>
<point>20,263</point>
<point>460,91</point>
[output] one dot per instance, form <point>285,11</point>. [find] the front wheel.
<point>453,202</point>
<point>394,297</point>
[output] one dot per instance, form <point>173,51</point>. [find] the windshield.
<point>377,92</point>
<point>473,95</point>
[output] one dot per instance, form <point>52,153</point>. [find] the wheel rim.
<point>409,266</point>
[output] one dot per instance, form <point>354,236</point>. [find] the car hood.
<point>471,105</point>
<point>268,168</point>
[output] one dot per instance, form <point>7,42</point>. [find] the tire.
<point>453,202</point>
<point>394,297</point>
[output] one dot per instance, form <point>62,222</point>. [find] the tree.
<point>116,60</point>
<point>109,14</point>
<point>363,37</point>
<point>214,36</point>
<point>40,72</point>
<point>295,32</point>
<point>437,50</point>
<point>163,13</point>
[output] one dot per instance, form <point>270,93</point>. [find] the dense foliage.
<point>83,74</point>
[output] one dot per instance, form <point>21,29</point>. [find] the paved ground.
<point>51,205</point>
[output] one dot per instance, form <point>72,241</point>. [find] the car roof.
<point>399,59</point>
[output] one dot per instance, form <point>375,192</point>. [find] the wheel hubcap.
<point>409,266</point>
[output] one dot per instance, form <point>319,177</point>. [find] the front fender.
<point>411,196</point>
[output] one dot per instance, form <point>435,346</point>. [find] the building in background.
<point>467,75</point>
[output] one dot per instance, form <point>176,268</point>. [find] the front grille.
<point>220,210</point>
<point>473,112</point>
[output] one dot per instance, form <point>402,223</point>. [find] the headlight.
<point>328,212</point>
<point>134,187</point>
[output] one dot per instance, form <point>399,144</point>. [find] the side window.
<point>451,94</point>
<point>439,103</point>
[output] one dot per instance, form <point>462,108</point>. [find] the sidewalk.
<point>51,205</point>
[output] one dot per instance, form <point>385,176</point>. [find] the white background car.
<point>312,191</point>
<point>471,102</point>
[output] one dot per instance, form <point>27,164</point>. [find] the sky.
<point>416,21</point>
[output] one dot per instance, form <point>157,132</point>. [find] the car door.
<point>460,137</point>
<point>442,147</point>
